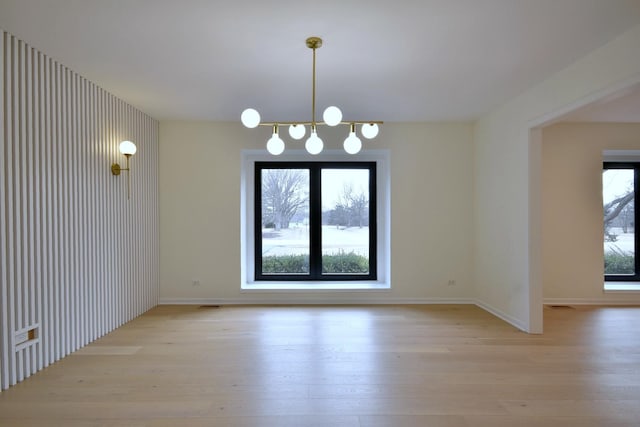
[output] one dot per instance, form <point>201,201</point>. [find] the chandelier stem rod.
<point>313,93</point>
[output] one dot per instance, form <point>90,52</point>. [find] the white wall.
<point>77,259</point>
<point>572,240</point>
<point>507,177</point>
<point>431,213</point>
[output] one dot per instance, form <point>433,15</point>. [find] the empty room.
<point>291,213</point>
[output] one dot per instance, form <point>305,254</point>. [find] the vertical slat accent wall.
<point>77,258</point>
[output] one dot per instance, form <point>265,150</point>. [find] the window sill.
<point>316,286</point>
<point>622,287</point>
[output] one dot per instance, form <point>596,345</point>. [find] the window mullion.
<point>315,222</point>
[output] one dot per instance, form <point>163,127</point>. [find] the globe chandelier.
<point>332,116</point>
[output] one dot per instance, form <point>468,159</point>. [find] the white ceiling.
<point>397,60</point>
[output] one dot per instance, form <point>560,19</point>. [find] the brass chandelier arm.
<point>344,122</point>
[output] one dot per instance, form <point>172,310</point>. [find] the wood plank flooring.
<point>364,366</point>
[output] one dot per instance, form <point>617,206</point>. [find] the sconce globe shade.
<point>352,144</point>
<point>297,131</point>
<point>250,118</point>
<point>314,144</point>
<point>370,130</point>
<point>332,116</point>
<point>275,145</point>
<point>128,148</point>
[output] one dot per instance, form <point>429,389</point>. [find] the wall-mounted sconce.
<point>127,148</point>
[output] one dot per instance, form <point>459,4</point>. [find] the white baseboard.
<point>316,300</point>
<point>627,300</point>
<point>501,315</point>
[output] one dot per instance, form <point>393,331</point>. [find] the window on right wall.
<point>620,182</point>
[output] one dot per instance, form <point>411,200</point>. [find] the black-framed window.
<point>315,221</point>
<point>620,183</point>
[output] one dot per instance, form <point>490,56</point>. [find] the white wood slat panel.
<point>10,123</point>
<point>4,306</point>
<point>77,258</point>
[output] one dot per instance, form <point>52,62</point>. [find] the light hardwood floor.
<point>366,366</point>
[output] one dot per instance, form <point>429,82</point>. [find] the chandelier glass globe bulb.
<point>314,144</point>
<point>250,118</point>
<point>297,131</point>
<point>370,130</point>
<point>352,144</point>
<point>275,145</point>
<point>332,116</point>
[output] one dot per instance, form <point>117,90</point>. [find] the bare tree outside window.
<point>284,194</point>
<point>351,208</point>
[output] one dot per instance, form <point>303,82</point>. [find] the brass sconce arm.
<point>127,148</point>
<point>116,169</point>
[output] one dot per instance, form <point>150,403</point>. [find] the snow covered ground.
<point>295,240</point>
<point>624,242</point>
